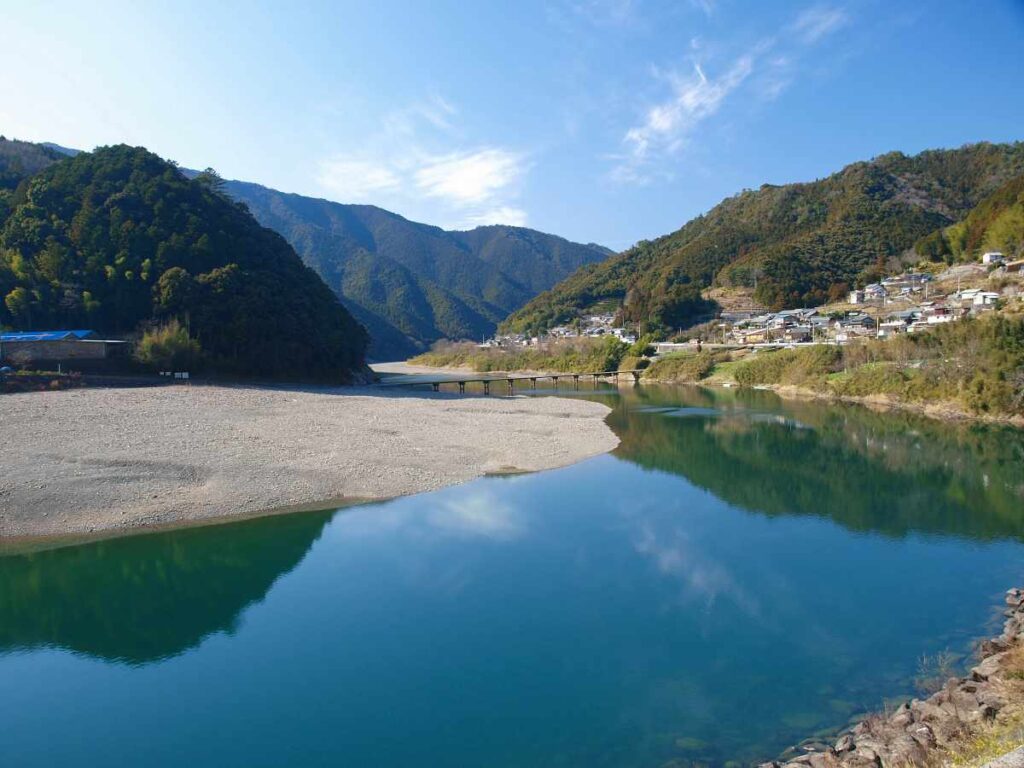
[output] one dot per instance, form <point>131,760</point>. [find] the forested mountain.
<point>798,243</point>
<point>995,224</point>
<point>411,284</point>
<point>117,239</point>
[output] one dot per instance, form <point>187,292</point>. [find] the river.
<point>741,573</point>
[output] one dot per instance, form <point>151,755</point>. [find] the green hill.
<point>995,224</point>
<point>798,243</point>
<point>118,239</point>
<point>411,284</point>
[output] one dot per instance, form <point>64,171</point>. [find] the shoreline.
<point>947,724</point>
<point>86,463</point>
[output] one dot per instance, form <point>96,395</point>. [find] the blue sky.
<point>599,120</point>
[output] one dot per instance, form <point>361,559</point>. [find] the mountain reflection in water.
<point>741,573</point>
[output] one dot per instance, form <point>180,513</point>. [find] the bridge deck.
<point>510,380</point>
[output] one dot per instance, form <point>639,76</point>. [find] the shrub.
<point>871,379</point>
<point>168,347</point>
<point>807,366</point>
<point>683,367</point>
<point>764,367</point>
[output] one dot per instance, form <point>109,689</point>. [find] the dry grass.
<point>991,740</point>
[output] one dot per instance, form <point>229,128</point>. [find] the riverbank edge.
<point>595,440</point>
<point>938,410</point>
<point>941,410</point>
<point>938,729</point>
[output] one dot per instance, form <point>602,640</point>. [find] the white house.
<point>992,257</point>
<point>985,298</point>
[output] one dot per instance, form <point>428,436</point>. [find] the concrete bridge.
<point>511,381</point>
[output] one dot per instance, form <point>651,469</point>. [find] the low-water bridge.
<point>511,381</point>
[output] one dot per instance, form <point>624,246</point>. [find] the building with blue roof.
<point>16,336</point>
<point>69,350</point>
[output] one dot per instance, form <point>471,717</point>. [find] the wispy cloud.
<point>694,99</point>
<point>470,177</point>
<point>504,214</point>
<point>699,93</point>
<point>421,156</point>
<point>357,179</point>
<point>818,22</point>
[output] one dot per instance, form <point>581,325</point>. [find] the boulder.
<point>923,735</point>
<point>1014,759</point>
<point>845,743</point>
<point>988,667</point>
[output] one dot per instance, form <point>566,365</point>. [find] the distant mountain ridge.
<point>411,284</point>
<point>798,243</point>
<point>408,284</point>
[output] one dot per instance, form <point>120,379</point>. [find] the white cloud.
<point>667,124</point>
<point>766,70</point>
<point>504,214</point>
<point>818,22</point>
<point>469,177</point>
<point>356,180</point>
<point>418,164</point>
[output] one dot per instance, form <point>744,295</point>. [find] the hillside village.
<point>912,302</point>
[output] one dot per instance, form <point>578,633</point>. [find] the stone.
<point>905,750</point>
<point>923,735</point>
<point>867,756</point>
<point>1014,759</point>
<point>902,719</point>
<point>845,743</point>
<point>987,668</point>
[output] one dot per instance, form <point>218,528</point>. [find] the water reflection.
<point>148,597</point>
<point>696,599</point>
<point>889,473</point>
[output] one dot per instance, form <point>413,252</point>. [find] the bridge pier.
<point>437,386</point>
<point>533,382</point>
<point>462,387</point>
<point>576,381</point>
<point>487,387</point>
<point>511,387</point>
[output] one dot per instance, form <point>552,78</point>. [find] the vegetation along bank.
<point>973,368</point>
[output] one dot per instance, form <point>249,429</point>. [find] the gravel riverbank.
<point>89,461</point>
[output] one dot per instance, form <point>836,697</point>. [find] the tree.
<point>212,180</point>
<point>19,304</point>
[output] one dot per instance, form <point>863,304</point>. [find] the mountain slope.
<point>411,283</point>
<point>796,242</point>
<point>21,159</point>
<point>117,238</point>
<point>995,224</point>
